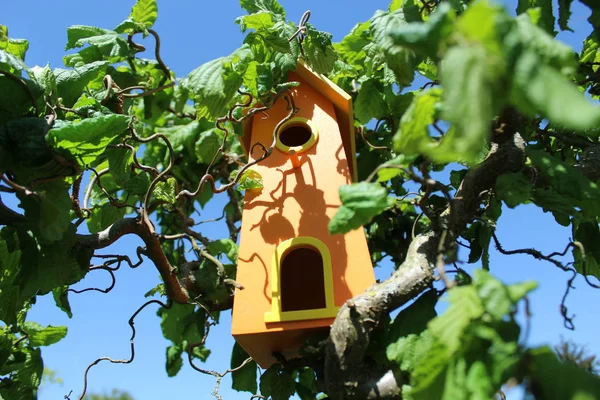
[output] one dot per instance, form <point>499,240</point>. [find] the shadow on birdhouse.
<point>295,274</point>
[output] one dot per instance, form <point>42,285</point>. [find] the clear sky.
<point>192,33</point>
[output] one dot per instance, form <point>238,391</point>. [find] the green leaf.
<point>553,379</point>
<point>539,88</point>
<point>319,50</point>
<point>370,102</point>
<point>181,323</point>
<point>514,189</point>
<point>71,83</point>
<point>11,63</point>
<point>207,145</point>
<point>174,360</point>
<point>360,203</point>
<point>16,47</point>
<point>165,191</point>
<point>250,180</point>
<point>465,306</point>
<point>426,37</point>
<point>546,20</point>
<point>45,78</point>
<point>568,181</point>
<point>254,6</point>
<point>412,137</point>
<point>87,139</point>
<point>588,234</point>
<point>414,318</point>
<point>43,336</point>
<point>104,216</point>
<point>102,45</point>
<point>243,379</point>
<point>144,12</point>
<point>306,387</point>
<point>564,13</point>
<point>61,299</point>
<point>224,246</point>
<point>215,83</point>
<point>277,383</point>
<point>470,102</point>
<point>262,20</point>
<point>51,211</point>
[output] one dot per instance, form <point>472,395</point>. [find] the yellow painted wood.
<point>330,310</point>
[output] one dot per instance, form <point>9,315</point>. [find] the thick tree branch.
<point>346,374</point>
<point>154,252</point>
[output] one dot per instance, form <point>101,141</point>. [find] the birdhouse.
<point>295,274</point>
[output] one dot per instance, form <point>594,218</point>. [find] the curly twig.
<point>124,361</point>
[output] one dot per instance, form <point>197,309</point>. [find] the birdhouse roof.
<point>342,103</point>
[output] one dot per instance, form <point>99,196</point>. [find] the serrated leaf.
<point>370,102</point>
<point>539,88</point>
<point>546,20</point>
<point>38,335</point>
<point>71,83</point>
<point>16,47</point>
<point>181,323</point>
<point>425,38</point>
<point>144,12</point>
<point>243,379</point>
<point>61,299</point>
<point>254,6</point>
<point>413,319</point>
<point>104,216</point>
<point>102,44</point>
<point>360,203</point>
<point>465,306</point>
<point>514,189</point>
<point>207,145</point>
<point>262,20</point>
<point>567,181</point>
<point>319,50</point>
<point>215,83</point>
<point>587,233</point>
<point>165,191</point>
<point>564,14</point>
<point>412,137</point>
<point>250,180</point>
<point>277,383</point>
<point>50,211</point>
<point>11,63</point>
<point>560,380</point>
<point>87,139</point>
<point>45,78</point>
<point>469,81</point>
<point>174,360</point>
<point>224,246</point>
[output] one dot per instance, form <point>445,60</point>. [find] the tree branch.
<point>346,373</point>
<point>153,251</point>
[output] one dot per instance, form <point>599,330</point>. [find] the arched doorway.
<point>302,282</point>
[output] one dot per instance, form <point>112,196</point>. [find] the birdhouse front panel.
<point>294,273</point>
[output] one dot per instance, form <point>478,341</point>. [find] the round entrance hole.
<point>298,134</point>
<point>295,135</point>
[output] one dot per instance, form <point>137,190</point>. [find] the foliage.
<point>153,148</point>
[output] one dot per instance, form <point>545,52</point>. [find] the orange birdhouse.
<point>296,274</point>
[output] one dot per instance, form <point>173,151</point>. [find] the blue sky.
<point>192,33</point>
